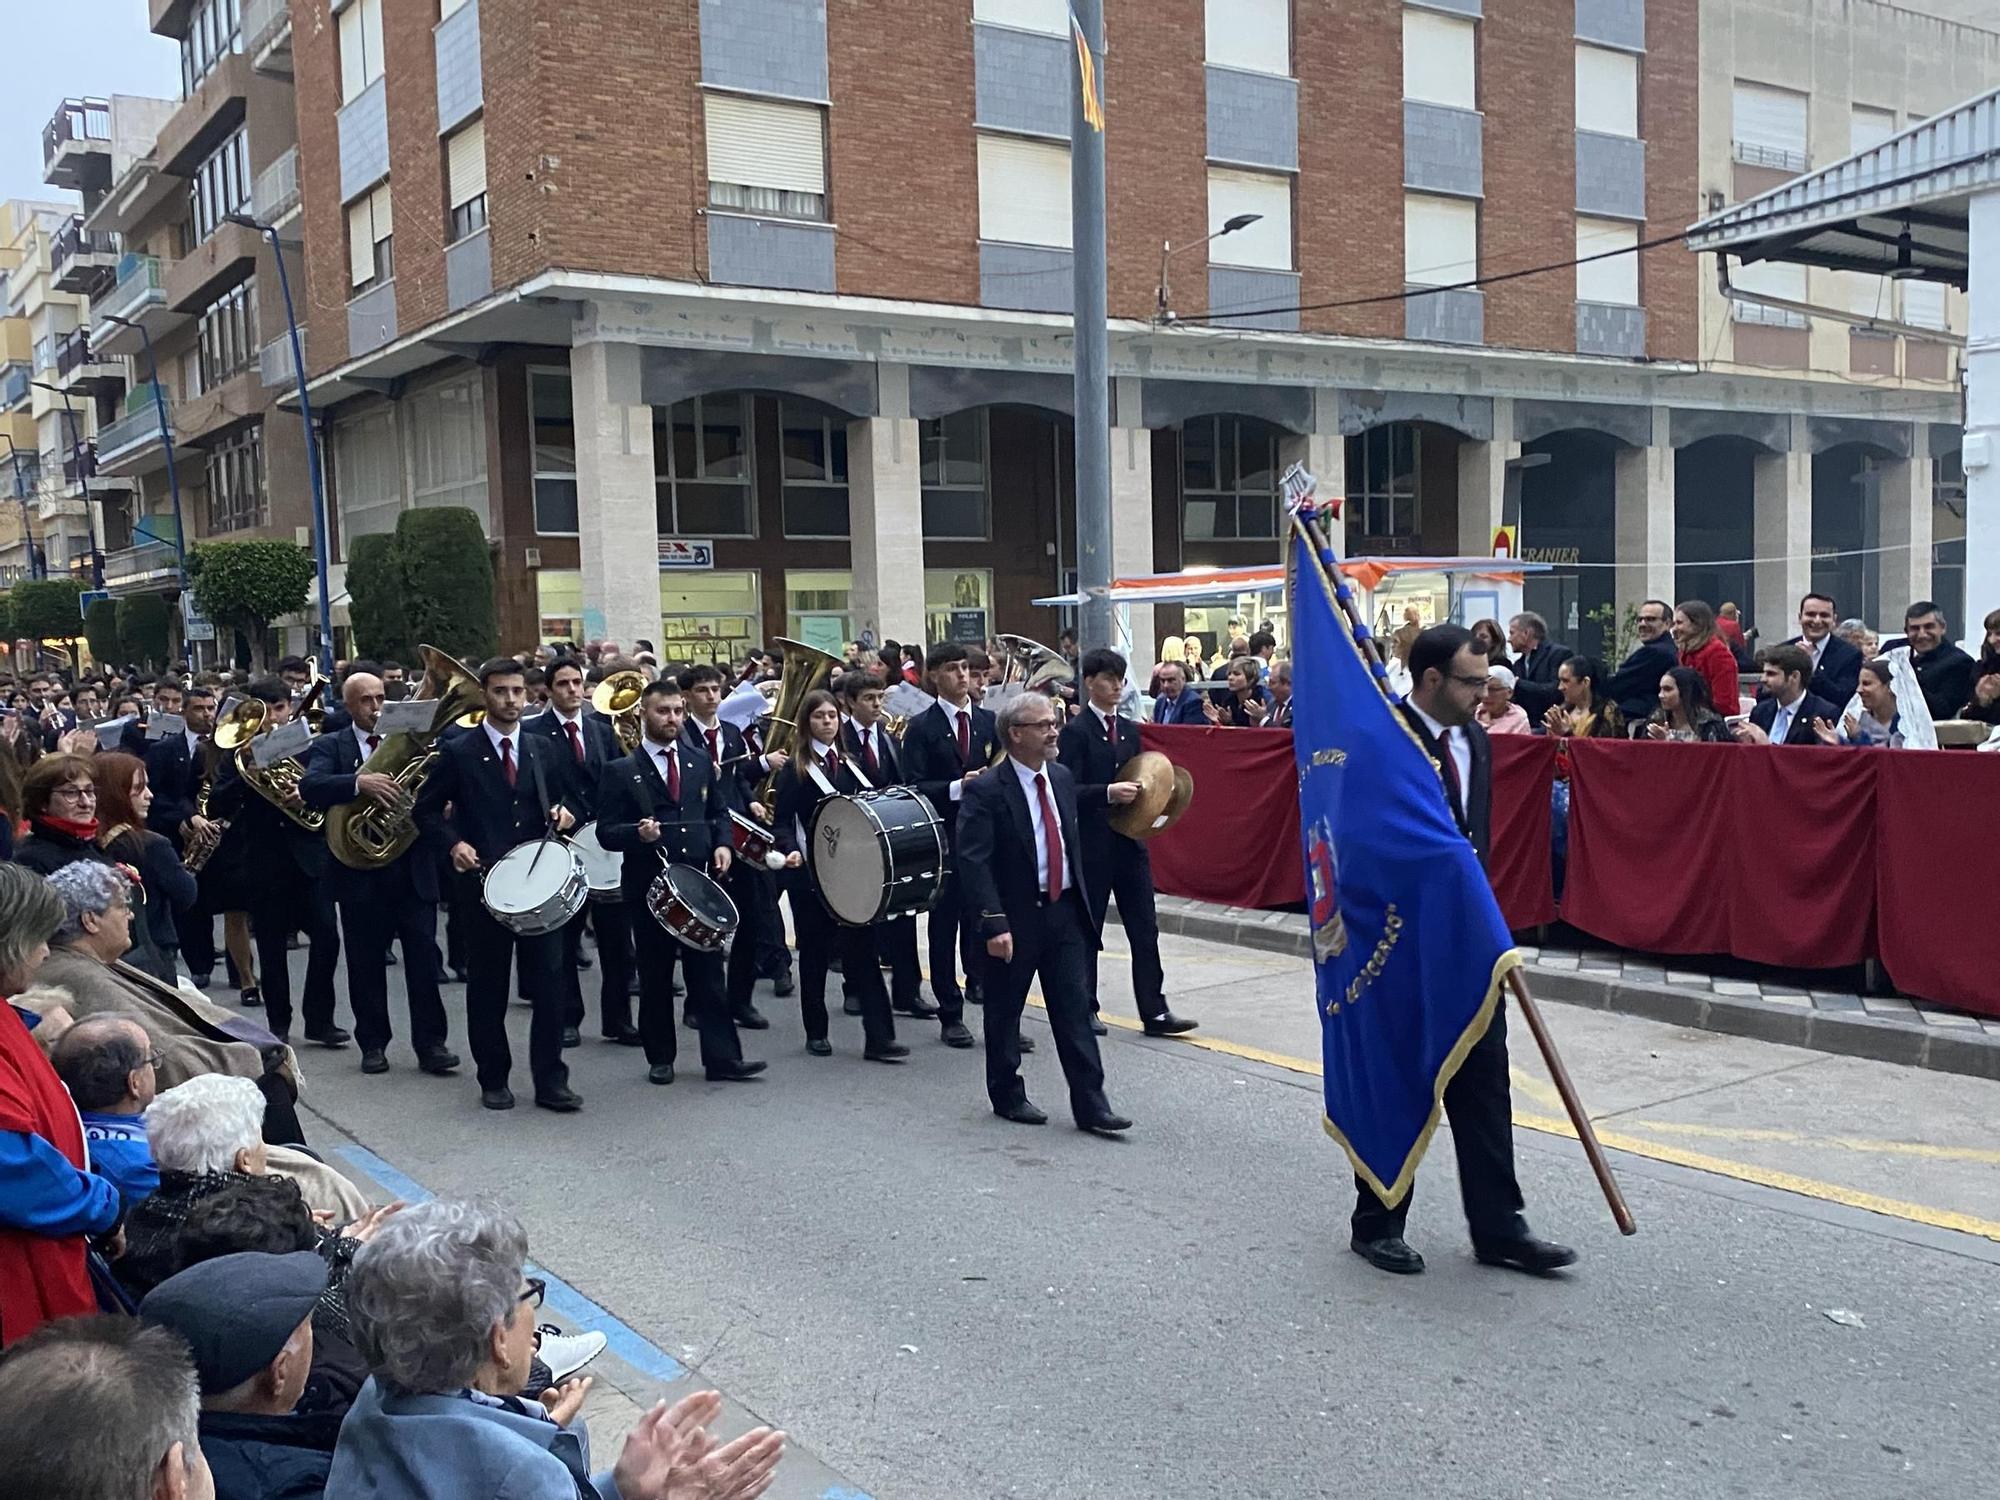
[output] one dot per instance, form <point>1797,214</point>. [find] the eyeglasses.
<point>76,793</point>
<point>537,1290</point>
<point>154,1059</point>
<point>1470,680</point>
<point>1035,724</point>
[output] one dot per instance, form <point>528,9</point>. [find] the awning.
<point>1213,583</point>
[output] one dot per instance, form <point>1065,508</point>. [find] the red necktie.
<point>575,742</point>
<point>1111,730</point>
<point>673,774</point>
<point>833,767</point>
<point>964,736</point>
<point>714,747</point>
<point>507,761</point>
<point>1449,766</point>
<point>1051,837</point>
<point>373,741</point>
<point>868,750</point>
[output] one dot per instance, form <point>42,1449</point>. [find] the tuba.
<point>806,669</point>
<point>617,698</point>
<point>1029,665</point>
<point>365,835</point>
<point>278,783</point>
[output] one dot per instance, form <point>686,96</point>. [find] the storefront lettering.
<point>1560,556</point>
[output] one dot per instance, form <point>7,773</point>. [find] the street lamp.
<point>270,232</point>
<point>173,477</point>
<point>82,460</point>
<point>35,569</point>
<point>1165,313</point>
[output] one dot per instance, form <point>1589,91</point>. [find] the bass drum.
<point>602,867</point>
<point>877,855</point>
<point>536,888</point>
<point>692,907</point>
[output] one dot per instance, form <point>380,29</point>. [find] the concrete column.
<point>1905,510</point>
<point>885,515</point>
<point>1982,418</point>
<point>1323,450</point>
<point>1781,485</point>
<point>1482,482</point>
<point>1132,517</point>
<point>617,519</point>
<point>1643,518</point>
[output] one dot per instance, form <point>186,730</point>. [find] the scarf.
<point>82,832</point>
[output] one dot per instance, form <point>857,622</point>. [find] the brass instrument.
<point>310,705</point>
<point>277,783</point>
<point>202,846</point>
<point>1029,665</point>
<point>806,669</point>
<point>364,834</point>
<point>617,698</point>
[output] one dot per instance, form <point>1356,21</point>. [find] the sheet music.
<point>411,716</point>
<point>281,744</point>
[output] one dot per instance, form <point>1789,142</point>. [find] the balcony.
<point>82,261</point>
<point>236,400</point>
<point>134,569</point>
<point>76,146</point>
<point>131,445</point>
<point>267,36</point>
<point>14,386</point>
<point>274,196</point>
<point>81,371</point>
<point>211,268</point>
<point>140,295</point>
<point>205,118</point>
<point>79,466</point>
<point>274,361</point>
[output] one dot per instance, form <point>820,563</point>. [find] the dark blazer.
<point>1838,673</point>
<point>799,796</point>
<point>1635,686</point>
<point>600,748</point>
<point>1475,820</point>
<point>1093,761</point>
<point>888,754</point>
<point>997,860</point>
<point>331,766</point>
<point>175,777</point>
<point>1184,710</point>
<point>930,755</point>
<point>1810,707</point>
<point>468,800</point>
<point>691,830</point>
<point>740,775</point>
<point>260,832</point>
<point>1535,679</point>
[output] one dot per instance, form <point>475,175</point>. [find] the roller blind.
<point>1869,127</point>
<point>1267,244</point>
<point>1613,280</point>
<point>1770,119</point>
<point>368,223</point>
<point>1029,15</point>
<point>360,47</point>
<point>1607,91</point>
<point>465,163</point>
<point>1023,191</point>
<point>1255,35</point>
<point>1440,240</point>
<point>1924,303</point>
<point>765,144</point>
<point>1438,65</point>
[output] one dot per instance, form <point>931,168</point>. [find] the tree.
<point>46,609</point>
<point>100,628</point>
<point>6,617</point>
<point>376,604</point>
<point>448,581</point>
<point>144,628</point>
<point>246,585</point>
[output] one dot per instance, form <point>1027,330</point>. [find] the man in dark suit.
<point>495,788</point>
<point>389,903</point>
<point>1944,672</point>
<point>1093,746</point>
<point>866,742</point>
<point>1177,703</point>
<point>1836,664</point>
<point>1635,686</point>
<point>946,749</point>
<point>1448,675</point>
<point>588,743</point>
<point>662,805</point>
<point>1021,862</point>
<point>1786,712</point>
<point>1536,660</point>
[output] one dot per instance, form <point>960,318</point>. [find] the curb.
<point>1915,1045</point>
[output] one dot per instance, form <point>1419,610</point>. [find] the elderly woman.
<point>1857,634</point>
<point>1497,712</point>
<point>59,802</point>
<point>204,1134</point>
<point>50,1201</point>
<point>444,1312</point>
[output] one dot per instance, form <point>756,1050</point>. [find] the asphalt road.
<point>938,1305</point>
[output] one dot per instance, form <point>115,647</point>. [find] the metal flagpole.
<point>1093,383</point>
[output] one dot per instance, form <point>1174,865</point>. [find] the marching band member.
<point>866,739</point>
<point>495,788</point>
<point>173,769</point>
<point>591,743</point>
<point>395,902</point>
<point>664,804</point>
<point>817,772</point>
<point>1093,746</point>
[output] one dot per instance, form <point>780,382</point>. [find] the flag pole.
<point>1579,1117</point>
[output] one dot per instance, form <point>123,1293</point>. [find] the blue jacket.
<point>396,1447</point>
<point>268,1458</point>
<point>1184,710</point>
<point>120,1153</point>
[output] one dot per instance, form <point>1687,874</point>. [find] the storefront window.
<point>816,609</point>
<point>1229,479</point>
<point>555,452</point>
<point>958,605</point>
<point>815,448</point>
<point>559,602</point>
<point>1382,485</point>
<point>954,476</point>
<point>1218,622</point>
<point>701,467</point>
<point>709,617</point>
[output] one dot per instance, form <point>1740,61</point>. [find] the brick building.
<point>788,280</point>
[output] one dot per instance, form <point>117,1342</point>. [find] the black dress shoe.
<point>955,1034</point>
<point>582,960</point>
<point>1536,1257</point>
<point>974,995</point>
<point>1391,1253</point>
<point>735,1072</point>
<point>1027,1044</point>
<point>437,1060</point>
<point>625,1036</point>
<point>1023,1113</point>
<point>1104,1124</point>
<point>497,1098</point>
<point>660,1073</point>
<point>330,1036</point>
<point>249,999</point>
<point>920,1008</point>
<point>1097,1026</point>
<point>750,1019</point>
<point>374,1060</point>
<point>572,1037</point>
<point>457,974</point>
<point>1169,1024</point>
<point>783,985</point>
<point>885,1051</point>
<point>850,1005</point>
<point>819,1046</point>
<point>562,1099</point>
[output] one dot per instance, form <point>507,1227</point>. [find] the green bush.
<point>246,585</point>
<point>448,581</point>
<point>100,628</point>
<point>6,617</point>
<point>376,604</point>
<point>145,628</point>
<point>46,609</point>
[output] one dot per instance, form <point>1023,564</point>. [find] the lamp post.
<point>82,460</point>
<point>21,493</point>
<point>1165,312</point>
<point>270,232</point>
<point>173,477</point>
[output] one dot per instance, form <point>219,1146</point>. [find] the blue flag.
<point>1409,948</point>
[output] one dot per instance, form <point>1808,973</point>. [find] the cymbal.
<point>1155,775</point>
<point>1178,804</point>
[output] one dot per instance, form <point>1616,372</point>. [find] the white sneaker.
<point>566,1353</point>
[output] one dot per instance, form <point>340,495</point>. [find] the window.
<point>360,47</point>
<point>227,338</point>
<point>958,604</point>
<point>952,454</point>
<point>1267,244</point>
<point>1023,191</point>
<point>816,608</point>
<point>221,187</point>
<point>1868,128</point>
<point>370,240</point>
<point>550,410</point>
<point>1382,482</point>
<point>465,180</point>
<point>559,604</point>
<point>1255,35</point>
<point>766,157</point>
<point>1607,92</point>
<point>1612,280</point>
<point>1027,15</point>
<point>1769,278</point>
<point>1924,303</point>
<point>701,466</point>
<point>1769,127</point>
<point>214,30</point>
<point>713,617</point>
<point>367,474</point>
<point>814,442</point>
<point>1229,478</point>
<point>236,482</point>
<point>1440,240</point>
<point>447,430</point>
<point>446,7</point>
<point>1438,60</point>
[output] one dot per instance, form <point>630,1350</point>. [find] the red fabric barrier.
<point>1937,866</point>
<point>1238,843</point>
<point>1803,855</point>
<point>1520,861</point>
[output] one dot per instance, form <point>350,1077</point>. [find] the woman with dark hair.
<point>1879,725</point>
<point>1586,714</point>
<point>1245,704</point>
<point>123,797</point>
<point>59,803</point>
<point>1685,713</point>
<point>1490,640</point>
<point>1707,652</point>
<point>11,770</point>
<point>1984,704</point>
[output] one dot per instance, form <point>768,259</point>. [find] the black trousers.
<point>282,902</point>
<point>197,932</point>
<point>608,920</point>
<point>1059,955</point>
<point>820,939</point>
<point>491,951</point>
<point>1479,1102</point>
<point>896,946</point>
<point>381,907</point>
<point>953,939</point>
<point>760,930</point>
<point>658,951</point>
<point>1128,874</point>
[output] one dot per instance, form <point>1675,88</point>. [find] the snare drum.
<point>877,855</point>
<point>536,888</point>
<point>602,867</point>
<point>751,840</point>
<point>692,907</point>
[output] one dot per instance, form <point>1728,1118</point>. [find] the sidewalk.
<point>1884,1028</point>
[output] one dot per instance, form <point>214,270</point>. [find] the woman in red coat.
<point>1707,653</point>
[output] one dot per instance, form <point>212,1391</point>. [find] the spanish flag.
<point>1086,72</point>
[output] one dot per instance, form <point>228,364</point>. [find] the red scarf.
<point>40,1278</point>
<point>84,832</point>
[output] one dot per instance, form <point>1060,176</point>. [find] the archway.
<point>1567,509</point>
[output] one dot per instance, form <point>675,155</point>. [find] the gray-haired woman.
<point>443,1311</point>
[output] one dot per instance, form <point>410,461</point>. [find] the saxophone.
<point>365,835</point>
<point>230,734</point>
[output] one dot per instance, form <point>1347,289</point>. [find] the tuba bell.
<point>277,783</point>
<point>806,669</point>
<point>617,698</point>
<point>1029,665</point>
<point>364,834</point>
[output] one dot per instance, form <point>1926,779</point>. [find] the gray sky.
<point>60,49</point>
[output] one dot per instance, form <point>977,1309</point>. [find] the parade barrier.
<point>1800,857</point>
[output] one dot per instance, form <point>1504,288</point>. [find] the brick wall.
<point>1155,150</point>
<point>316,78</point>
<point>1669,277</point>
<point>416,164</point>
<point>1527,93</point>
<point>1349,62</point>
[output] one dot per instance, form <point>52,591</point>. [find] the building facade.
<point>759,326</point>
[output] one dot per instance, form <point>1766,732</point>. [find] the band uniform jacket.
<point>600,748</point>
<point>174,774</point>
<point>931,761</point>
<point>799,796</point>
<point>997,859</point>
<point>331,767</point>
<point>467,799</point>
<point>691,830</point>
<point>1093,761</point>
<point>739,772</point>
<point>888,754</point>
<point>259,831</point>
<point>1475,819</point>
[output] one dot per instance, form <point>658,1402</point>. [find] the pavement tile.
<point>1770,989</point>
<point>1687,976</point>
<point>1837,1004</point>
<point>1951,1019</point>
<point>1796,998</point>
<point>1887,1005</point>
<point>1739,989</point>
<point>1557,961</point>
<point>1603,966</point>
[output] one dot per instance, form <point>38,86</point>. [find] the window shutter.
<point>1613,280</point>
<point>360,243</point>
<point>1267,244</point>
<point>761,143</point>
<point>1868,128</point>
<point>446,7</point>
<point>353,65</point>
<point>1028,15</point>
<point>1607,92</point>
<point>371,38</point>
<point>1023,191</point>
<point>1440,240</point>
<point>1924,303</point>
<point>1255,35</point>
<point>465,163</point>
<point>1438,65</point>
<point>1770,119</point>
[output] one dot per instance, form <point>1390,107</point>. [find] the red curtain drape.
<point>1520,862</point>
<point>1937,875</point>
<point>1238,844</point>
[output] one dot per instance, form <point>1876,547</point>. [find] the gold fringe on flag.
<point>1086,68</point>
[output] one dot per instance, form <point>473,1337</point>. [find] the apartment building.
<point>758,325</point>
<point>20,438</point>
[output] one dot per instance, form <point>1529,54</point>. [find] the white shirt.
<point>1034,797</point>
<point>867,738</point>
<point>512,741</point>
<point>1815,650</point>
<point>714,727</point>
<point>1103,721</point>
<point>361,738</point>
<point>194,745</point>
<point>1458,747</point>
<point>953,714</point>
